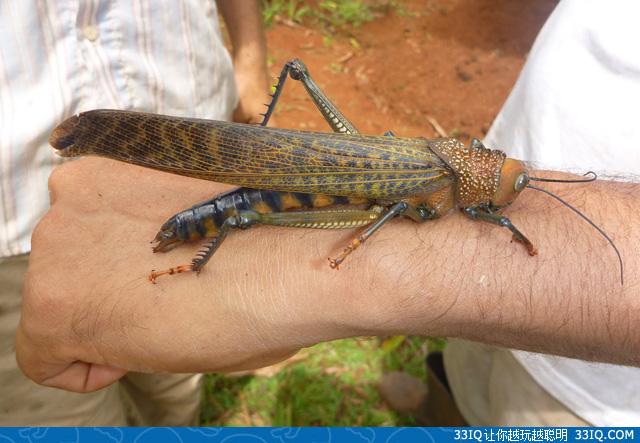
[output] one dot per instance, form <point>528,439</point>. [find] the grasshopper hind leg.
<point>298,71</point>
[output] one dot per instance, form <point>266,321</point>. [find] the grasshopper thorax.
<point>479,173</point>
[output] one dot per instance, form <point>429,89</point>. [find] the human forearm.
<point>249,54</point>
<point>269,291</point>
<point>461,278</point>
<point>244,24</point>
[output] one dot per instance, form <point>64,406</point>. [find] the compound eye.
<point>521,182</point>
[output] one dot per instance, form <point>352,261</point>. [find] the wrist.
<point>250,66</point>
<point>403,280</point>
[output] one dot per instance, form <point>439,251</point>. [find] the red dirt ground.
<point>454,61</point>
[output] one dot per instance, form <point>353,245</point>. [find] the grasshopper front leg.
<point>477,213</point>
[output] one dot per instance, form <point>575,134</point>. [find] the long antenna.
<point>557,180</point>
<point>584,217</point>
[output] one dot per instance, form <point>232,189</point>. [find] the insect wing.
<point>374,167</point>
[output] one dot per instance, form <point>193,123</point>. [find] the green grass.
<point>329,14</point>
<point>332,384</point>
<point>341,13</point>
<point>294,10</point>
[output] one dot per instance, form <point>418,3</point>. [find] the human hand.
<point>253,91</point>
<point>90,314</point>
<point>249,53</point>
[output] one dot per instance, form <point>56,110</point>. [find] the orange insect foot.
<point>177,270</point>
<point>527,244</point>
<point>531,249</point>
<point>336,262</point>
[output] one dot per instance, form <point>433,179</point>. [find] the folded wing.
<point>374,167</point>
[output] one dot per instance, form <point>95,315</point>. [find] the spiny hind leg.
<point>298,71</point>
<point>319,219</point>
<point>342,218</point>
<point>334,219</point>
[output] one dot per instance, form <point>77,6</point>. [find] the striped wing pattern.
<point>374,167</point>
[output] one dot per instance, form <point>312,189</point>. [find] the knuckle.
<point>57,175</point>
<point>51,222</point>
<point>39,233</point>
<point>66,176</point>
<point>56,182</point>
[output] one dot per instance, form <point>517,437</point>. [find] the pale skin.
<point>90,314</point>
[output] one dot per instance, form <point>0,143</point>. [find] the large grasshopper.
<point>302,179</point>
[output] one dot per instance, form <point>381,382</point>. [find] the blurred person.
<point>60,58</point>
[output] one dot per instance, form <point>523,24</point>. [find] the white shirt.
<point>576,106</point>
<point>61,57</point>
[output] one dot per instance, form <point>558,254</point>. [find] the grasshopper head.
<point>514,177</point>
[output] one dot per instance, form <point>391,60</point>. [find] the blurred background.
<point>418,68</point>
